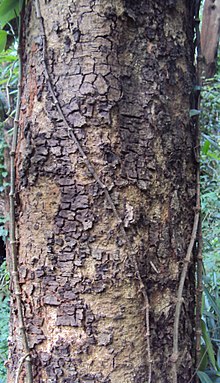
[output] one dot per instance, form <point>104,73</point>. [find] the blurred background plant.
<point>4,318</point>
<point>8,89</point>
<point>209,369</point>
<point>210,172</point>
<point>9,12</point>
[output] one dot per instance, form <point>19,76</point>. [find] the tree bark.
<point>123,75</point>
<point>210,35</point>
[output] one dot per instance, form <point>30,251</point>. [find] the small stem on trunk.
<point>13,241</point>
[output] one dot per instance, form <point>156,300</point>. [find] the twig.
<point>199,295</point>
<point>8,89</point>
<point>93,172</point>
<point>199,364</point>
<point>20,364</point>
<point>175,354</point>
<point>13,242</point>
<point>199,237</point>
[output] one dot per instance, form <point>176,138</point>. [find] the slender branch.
<point>95,175</point>
<point>175,355</point>
<point>13,242</point>
<point>8,89</point>
<point>199,237</point>
<point>197,368</point>
<point>199,296</point>
<point>20,364</point>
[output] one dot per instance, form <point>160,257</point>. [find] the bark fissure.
<point>103,186</point>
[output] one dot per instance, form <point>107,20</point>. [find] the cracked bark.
<point>123,75</point>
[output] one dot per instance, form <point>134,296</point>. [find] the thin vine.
<point>195,236</point>
<point>199,265</point>
<point>188,257</point>
<point>93,172</point>
<point>199,291</point>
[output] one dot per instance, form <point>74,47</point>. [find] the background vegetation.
<point>209,369</point>
<point>210,203</point>
<point>9,11</point>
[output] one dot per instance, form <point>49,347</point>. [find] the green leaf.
<point>2,82</point>
<point>194,112</point>
<point>213,375</point>
<point>205,147</point>
<point>3,39</point>
<point>218,358</point>
<point>208,343</point>
<point>203,303</point>
<point>214,143</point>
<point>9,9</point>
<point>212,302</point>
<point>203,358</point>
<point>7,58</point>
<point>204,378</point>
<point>213,155</point>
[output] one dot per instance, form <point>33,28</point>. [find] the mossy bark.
<point>122,72</point>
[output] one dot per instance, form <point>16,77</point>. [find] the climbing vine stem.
<point>199,296</point>
<point>199,265</point>
<point>196,232</point>
<point>179,301</point>
<point>13,240</point>
<point>95,175</point>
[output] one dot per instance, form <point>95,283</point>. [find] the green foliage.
<point>210,173</point>
<point>3,40</point>
<point>194,112</point>
<point>210,204</point>
<point>204,378</point>
<point>4,318</point>
<point>9,9</point>
<point>209,370</point>
<point>8,93</point>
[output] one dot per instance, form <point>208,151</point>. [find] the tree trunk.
<point>88,241</point>
<point>210,35</point>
